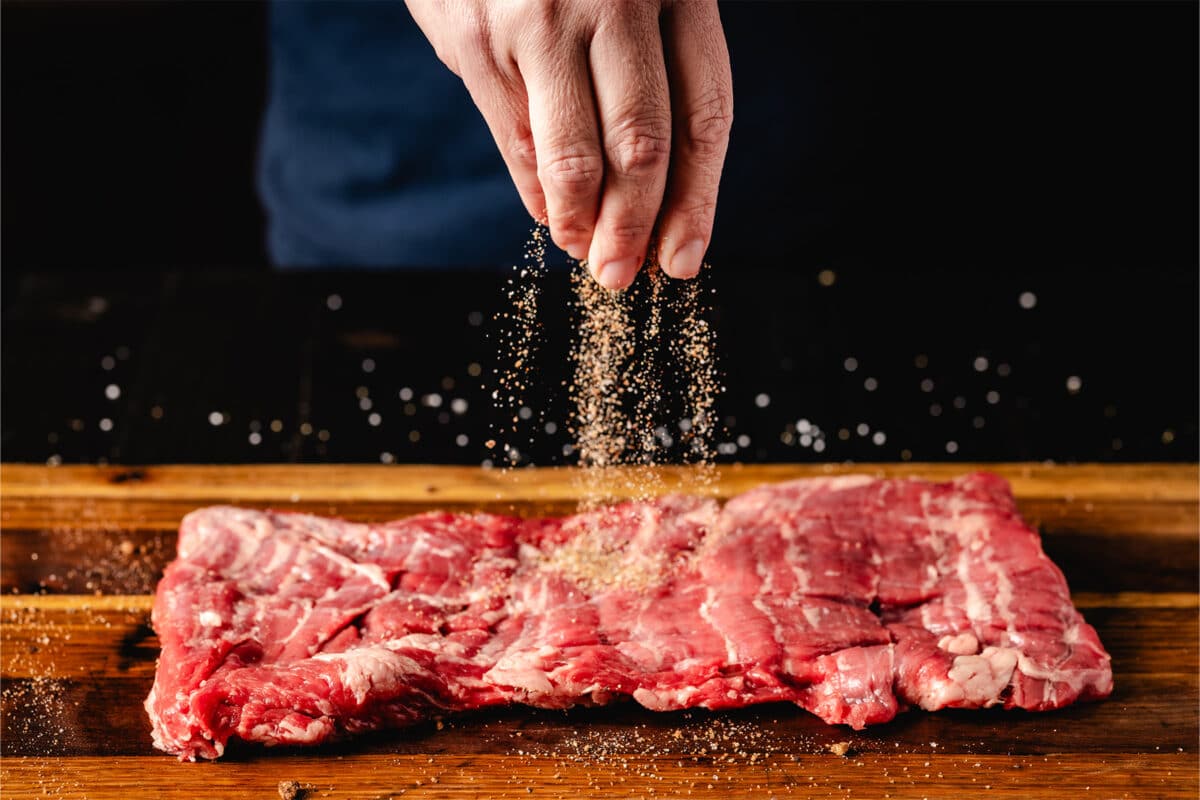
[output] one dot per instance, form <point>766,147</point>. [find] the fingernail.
<point>577,251</point>
<point>617,274</point>
<point>685,261</point>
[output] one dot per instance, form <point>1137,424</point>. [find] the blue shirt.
<point>372,153</point>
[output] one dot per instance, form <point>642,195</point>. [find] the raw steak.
<point>851,597</point>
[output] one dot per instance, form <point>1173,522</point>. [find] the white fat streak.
<point>1076,679</point>
<point>519,666</point>
<point>805,487</point>
<point>422,545</point>
<point>641,633</point>
<point>528,554</point>
<point>284,551</point>
<point>338,533</point>
<point>840,482</point>
<point>704,515</point>
<point>795,557</point>
<point>664,700</point>
<point>438,601</point>
<point>648,524</point>
<point>974,533</point>
<point>926,621</point>
<point>792,493</point>
<point>936,543</point>
<point>813,615</point>
<point>764,588</point>
<point>710,598</point>
<point>306,609</point>
<point>932,574</point>
<point>521,670</point>
<point>974,680</point>
<point>372,572</point>
<point>965,643</point>
<point>290,732</point>
<point>374,668</point>
<point>249,528</point>
<point>447,650</point>
<point>968,531</point>
<point>1004,594</point>
<point>534,601</point>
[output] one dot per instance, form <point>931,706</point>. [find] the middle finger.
<point>630,79</point>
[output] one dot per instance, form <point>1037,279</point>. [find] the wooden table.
<point>83,546</point>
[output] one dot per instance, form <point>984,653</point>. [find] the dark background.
<point>954,157</point>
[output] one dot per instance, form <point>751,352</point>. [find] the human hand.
<point>611,116</point>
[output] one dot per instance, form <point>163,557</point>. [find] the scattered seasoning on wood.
<point>291,790</point>
<point>842,749</point>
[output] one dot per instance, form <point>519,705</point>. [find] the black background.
<point>958,155</point>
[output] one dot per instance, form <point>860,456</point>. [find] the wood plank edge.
<point>340,482</point>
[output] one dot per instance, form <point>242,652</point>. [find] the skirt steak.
<point>851,597</point>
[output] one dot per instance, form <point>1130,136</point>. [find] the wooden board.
<point>82,547</point>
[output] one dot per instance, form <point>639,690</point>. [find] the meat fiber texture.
<point>851,597</point>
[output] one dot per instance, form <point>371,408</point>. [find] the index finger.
<point>702,113</point>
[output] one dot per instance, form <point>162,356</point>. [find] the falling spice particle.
<point>520,336</point>
<point>638,357</point>
<point>620,388</point>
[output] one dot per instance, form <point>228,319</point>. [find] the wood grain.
<point>907,776</point>
<point>76,665</point>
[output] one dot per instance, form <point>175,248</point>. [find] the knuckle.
<point>707,125</point>
<point>697,217</point>
<point>643,148</point>
<point>540,13</point>
<point>522,150</point>
<point>567,229</point>
<point>631,229</point>
<point>475,34</point>
<point>468,51</point>
<point>575,173</point>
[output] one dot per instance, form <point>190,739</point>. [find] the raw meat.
<point>851,597</point>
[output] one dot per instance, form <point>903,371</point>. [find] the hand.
<point>611,115</point>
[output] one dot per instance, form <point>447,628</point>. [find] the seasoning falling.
<point>624,395</point>
<point>644,379</point>
<point>519,337</point>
